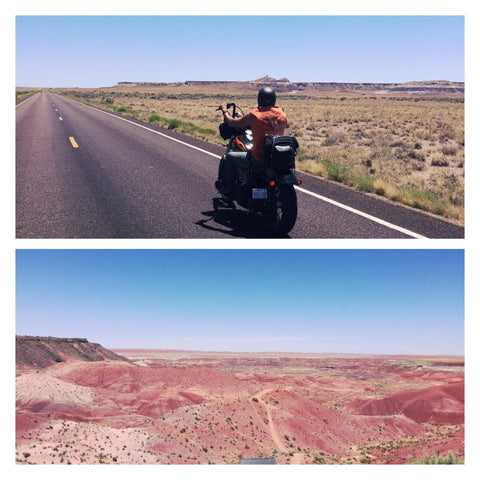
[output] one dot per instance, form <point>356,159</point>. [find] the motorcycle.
<point>268,187</point>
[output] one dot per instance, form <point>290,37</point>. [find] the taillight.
<point>299,182</point>
<point>272,183</point>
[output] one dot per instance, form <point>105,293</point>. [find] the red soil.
<point>300,409</point>
<point>440,404</point>
<point>25,422</point>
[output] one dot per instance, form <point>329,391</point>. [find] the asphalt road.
<point>82,172</point>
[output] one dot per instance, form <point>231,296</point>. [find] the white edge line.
<point>362,214</point>
<point>308,192</point>
<point>149,129</point>
<point>25,101</point>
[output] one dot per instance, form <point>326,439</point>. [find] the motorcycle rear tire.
<point>283,216</point>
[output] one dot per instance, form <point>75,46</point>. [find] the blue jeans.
<point>232,160</point>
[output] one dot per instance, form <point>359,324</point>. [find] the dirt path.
<point>271,426</point>
<point>297,458</point>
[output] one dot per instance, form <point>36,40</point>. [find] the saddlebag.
<point>279,152</point>
<point>227,132</point>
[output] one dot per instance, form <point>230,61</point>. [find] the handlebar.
<point>230,105</point>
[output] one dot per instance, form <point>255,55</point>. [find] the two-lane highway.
<point>82,172</point>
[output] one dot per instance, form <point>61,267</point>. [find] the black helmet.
<point>266,97</point>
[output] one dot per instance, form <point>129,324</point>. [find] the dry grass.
<point>408,149</point>
<point>22,93</point>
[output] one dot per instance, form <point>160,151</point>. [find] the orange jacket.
<point>262,120</point>
<point>266,120</point>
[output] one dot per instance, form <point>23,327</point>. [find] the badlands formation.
<point>78,403</point>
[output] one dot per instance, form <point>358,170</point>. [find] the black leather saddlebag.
<point>279,152</point>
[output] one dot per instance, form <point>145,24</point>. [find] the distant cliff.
<point>44,351</point>
<point>283,85</point>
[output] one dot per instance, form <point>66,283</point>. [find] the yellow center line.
<point>73,142</point>
<point>61,119</point>
<point>56,109</point>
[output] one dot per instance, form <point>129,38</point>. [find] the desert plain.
<point>181,407</point>
<point>404,142</point>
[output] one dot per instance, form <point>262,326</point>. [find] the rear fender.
<point>285,179</point>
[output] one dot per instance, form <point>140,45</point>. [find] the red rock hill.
<point>42,352</point>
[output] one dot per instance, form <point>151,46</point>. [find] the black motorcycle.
<point>268,187</point>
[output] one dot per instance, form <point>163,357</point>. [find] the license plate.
<point>259,193</point>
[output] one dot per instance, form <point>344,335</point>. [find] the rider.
<point>267,118</point>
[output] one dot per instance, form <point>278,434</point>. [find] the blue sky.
<point>98,51</point>
<point>326,301</point>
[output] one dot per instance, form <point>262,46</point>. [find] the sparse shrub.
<point>173,124</point>
<point>440,163</point>
<point>449,150</point>
<point>335,171</point>
<point>434,459</point>
<point>328,142</point>
<point>154,118</point>
<point>446,132</point>
<point>364,182</point>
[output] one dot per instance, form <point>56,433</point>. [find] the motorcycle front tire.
<point>282,216</point>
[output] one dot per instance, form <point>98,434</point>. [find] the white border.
<point>216,7</point>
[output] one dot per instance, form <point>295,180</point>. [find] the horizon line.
<point>272,81</point>
<point>266,352</point>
